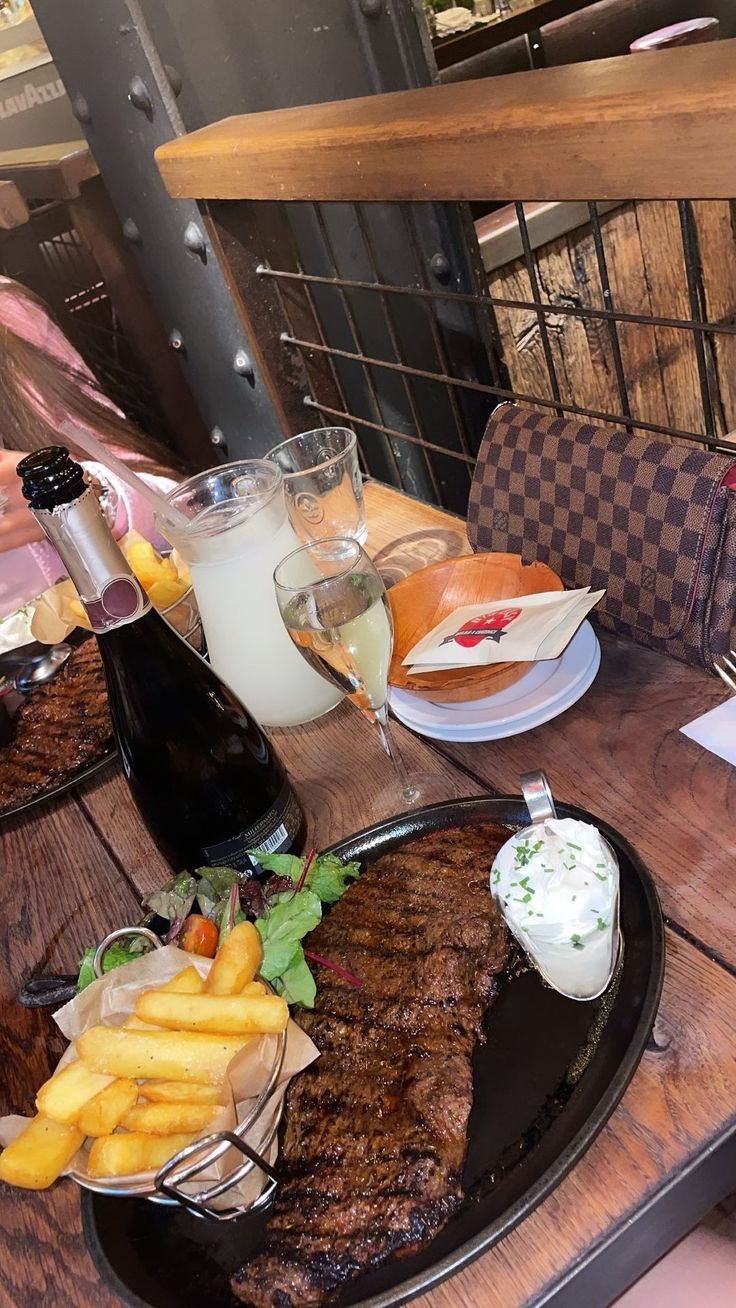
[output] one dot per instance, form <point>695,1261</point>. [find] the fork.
<point>729,676</point>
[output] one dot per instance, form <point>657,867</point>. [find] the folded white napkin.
<point>716,730</point>
<point>521,630</point>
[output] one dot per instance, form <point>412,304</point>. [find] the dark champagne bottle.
<point>205,778</point>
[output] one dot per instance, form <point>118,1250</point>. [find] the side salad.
<point>282,894</point>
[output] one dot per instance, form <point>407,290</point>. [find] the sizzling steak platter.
<point>376,1128</point>
<point>60,728</point>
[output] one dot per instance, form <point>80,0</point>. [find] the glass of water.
<point>322,483</point>
<point>334,606</point>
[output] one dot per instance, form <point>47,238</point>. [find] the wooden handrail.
<point>658,126</point>
<point>49,172</point>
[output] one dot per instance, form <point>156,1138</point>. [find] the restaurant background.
<point>142,332</point>
<point>223,322</point>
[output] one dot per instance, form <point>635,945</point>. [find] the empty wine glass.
<point>334,606</point>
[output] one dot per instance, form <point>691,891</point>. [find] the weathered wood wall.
<point>646,269</point>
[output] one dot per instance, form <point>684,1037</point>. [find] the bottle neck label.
<point>110,592</point>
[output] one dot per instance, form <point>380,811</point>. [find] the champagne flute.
<point>334,606</point>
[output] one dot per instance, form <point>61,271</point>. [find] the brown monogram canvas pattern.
<point>651,522</point>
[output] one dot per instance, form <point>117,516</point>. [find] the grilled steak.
<point>376,1128</point>
<point>59,729</point>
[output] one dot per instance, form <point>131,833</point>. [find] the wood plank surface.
<point>660,126</point>
<point>60,890</point>
<point>644,260</point>
<point>90,858</point>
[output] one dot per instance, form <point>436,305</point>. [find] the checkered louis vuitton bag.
<point>653,523</point>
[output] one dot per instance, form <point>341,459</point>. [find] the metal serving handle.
<point>199,1204</point>
<point>536,791</point>
<point>53,989</point>
<point>155,941</point>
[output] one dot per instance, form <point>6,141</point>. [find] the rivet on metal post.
<point>131,232</point>
<point>140,96</point>
<point>242,365</point>
<point>371,8</point>
<point>174,79</point>
<point>217,436</point>
<point>81,109</point>
<point>194,240</point>
<point>176,340</point>
<point>439,265</point>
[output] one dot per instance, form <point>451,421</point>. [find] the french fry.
<point>135,1024</point>
<point>145,561</point>
<point>188,982</point>
<point>180,1092</point>
<point>236,961</point>
<point>168,1119</point>
<point>126,1153</point>
<point>254,988</point>
<point>108,1108</point>
<point>65,1094</point>
<point>160,1055</point>
<point>40,1153</point>
<point>163,593</point>
<point>215,1014</point>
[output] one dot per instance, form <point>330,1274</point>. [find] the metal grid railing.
<point>388,429</point>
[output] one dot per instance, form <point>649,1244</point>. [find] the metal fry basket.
<point>187,1166</point>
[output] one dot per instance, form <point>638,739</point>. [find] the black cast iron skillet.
<point>548,1077</point>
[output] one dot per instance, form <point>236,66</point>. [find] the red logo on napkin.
<point>489,626</point>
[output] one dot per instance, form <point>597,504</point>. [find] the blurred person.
<point>43,381</point>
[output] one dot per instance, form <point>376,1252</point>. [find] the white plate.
<point>547,690</point>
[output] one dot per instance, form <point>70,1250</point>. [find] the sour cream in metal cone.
<point>557,883</point>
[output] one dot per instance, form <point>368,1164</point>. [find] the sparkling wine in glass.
<point>334,606</point>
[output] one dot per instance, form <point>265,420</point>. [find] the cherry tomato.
<point>199,936</point>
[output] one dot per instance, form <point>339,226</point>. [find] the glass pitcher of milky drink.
<point>238,532</point>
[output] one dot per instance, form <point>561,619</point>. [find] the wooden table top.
<point>75,868</point>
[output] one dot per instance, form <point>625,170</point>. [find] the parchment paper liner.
<point>110,1000</point>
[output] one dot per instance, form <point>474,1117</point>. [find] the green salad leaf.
<point>290,917</point>
<point>120,952</point>
<point>327,877</point>
<point>213,887</point>
<point>283,914</point>
<point>283,865</point>
<point>174,899</point>
<point>296,984</point>
<point>229,911</point>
